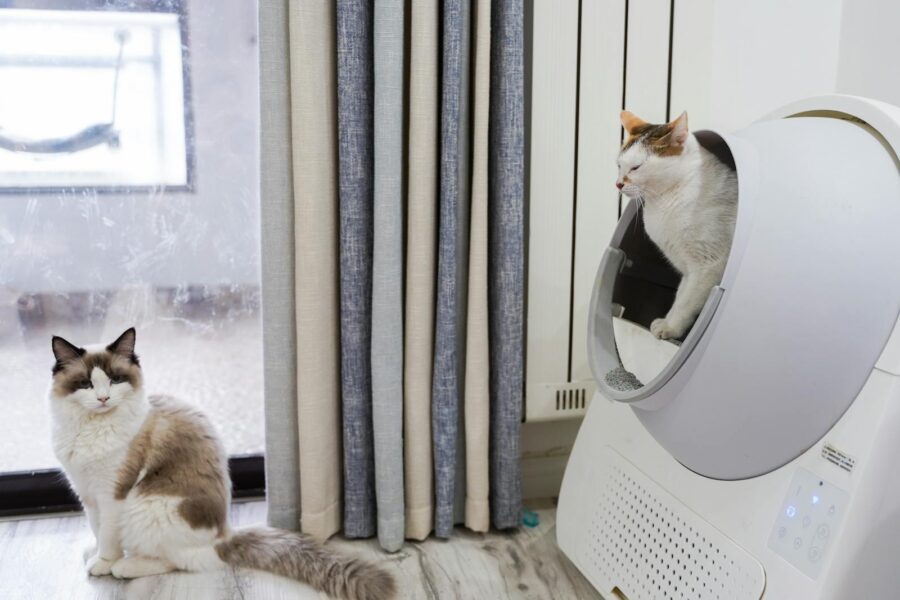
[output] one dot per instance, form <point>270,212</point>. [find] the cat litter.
<point>622,380</point>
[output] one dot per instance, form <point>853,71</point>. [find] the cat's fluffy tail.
<point>300,557</point>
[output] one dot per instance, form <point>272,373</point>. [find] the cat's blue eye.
<point>85,384</point>
<point>116,379</point>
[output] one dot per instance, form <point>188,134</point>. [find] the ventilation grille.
<point>571,399</point>
<point>648,545</point>
<point>555,401</point>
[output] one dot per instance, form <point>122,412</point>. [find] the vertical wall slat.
<point>552,172</point>
<point>647,71</point>
<point>692,60</point>
<point>596,207</point>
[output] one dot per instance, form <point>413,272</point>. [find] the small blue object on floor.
<point>531,519</point>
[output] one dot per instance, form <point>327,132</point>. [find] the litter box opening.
<point>635,285</point>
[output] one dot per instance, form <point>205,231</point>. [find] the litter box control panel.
<point>808,521</point>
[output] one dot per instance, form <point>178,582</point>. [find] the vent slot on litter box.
<point>648,545</point>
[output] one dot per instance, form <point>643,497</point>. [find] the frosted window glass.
<point>182,265</point>
<point>61,74</point>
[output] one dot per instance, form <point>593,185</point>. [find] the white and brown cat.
<point>153,478</point>
<point>689,201</point>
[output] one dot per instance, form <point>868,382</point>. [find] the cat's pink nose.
<point>102,399</point>
<point>620,185</point>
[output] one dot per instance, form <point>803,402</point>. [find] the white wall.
<point>734,61</point>
<point>869,62</point>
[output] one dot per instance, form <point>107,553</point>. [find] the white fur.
<point>90,440</point>
<point>141,535</point>
<point>689,206</point>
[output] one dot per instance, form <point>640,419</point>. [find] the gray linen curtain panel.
<point>393,270</point>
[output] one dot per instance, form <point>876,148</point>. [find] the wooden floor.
<point>41,559</point>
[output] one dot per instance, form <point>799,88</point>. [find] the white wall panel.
<point>647,68</point>
<point>869,62</point>
<point>552,172</point>
<point>734,62</point>
<point>692,60</point>
<point>596,207</point>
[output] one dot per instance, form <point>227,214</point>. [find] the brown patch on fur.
<point>631,122</point>
<point>657,138</point>
<point>300,557</point>
<point>70,373</point>
<point>180,455</point>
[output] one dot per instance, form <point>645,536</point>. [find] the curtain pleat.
<point>506,259</point>
<point>449,347</point>
<point>387,278</point>
<point>477,386</point>
<point>411,404</point>
<point>355,103</point>
<point>421,264</point>
<point>277,216</point>
<point>314,129</point>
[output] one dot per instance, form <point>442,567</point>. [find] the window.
<point>97,240</point>
<point>92,99</point>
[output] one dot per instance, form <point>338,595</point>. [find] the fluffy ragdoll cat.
<point>689,201</point>
<point>153,478</point>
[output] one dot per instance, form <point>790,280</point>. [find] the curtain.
<point>393,222</point>
<point>421,264</point>
<point>356,166</point>
<point>449,343</point>
<point>477,364</point>
<point>507,266</point>
<point>387,285</point>
<point>314,120</point>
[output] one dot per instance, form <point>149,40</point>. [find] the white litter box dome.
<point>807,303</point>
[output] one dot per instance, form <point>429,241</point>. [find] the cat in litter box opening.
<point>688,196</point>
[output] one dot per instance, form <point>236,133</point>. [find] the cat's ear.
<point>124,345</point>
<point>679,129</point>
<point>64,352</point>
<point>631,122</point>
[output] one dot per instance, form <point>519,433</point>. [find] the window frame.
<point>45,491</point>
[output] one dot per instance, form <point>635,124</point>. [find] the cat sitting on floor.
<point>153,478</point>
<point>689,201</point>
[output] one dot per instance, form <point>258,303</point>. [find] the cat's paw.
<point>126,568</point>
<point>131,567</point>
<point>98,566</point>
<point>664,330</point>
<point>89,553</point>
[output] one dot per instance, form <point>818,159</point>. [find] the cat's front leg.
<point>109,544</point>
<point>93,516</point>
<point>689,300</point>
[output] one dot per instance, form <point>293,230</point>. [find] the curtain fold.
<point>477,364</point>
<point>355,139</point>
<point>393,325</point>
<point>314,129</point>
<point>421,264</point>
<point>506,264</point>
<point>449,347</point>
<point>387,279</point>
<point>277,216</point>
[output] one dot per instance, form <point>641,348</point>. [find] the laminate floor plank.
<point>41,559</point>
